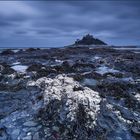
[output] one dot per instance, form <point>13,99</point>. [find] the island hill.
<point>89,40</point>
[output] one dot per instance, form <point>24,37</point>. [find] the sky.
<point>58,23</point>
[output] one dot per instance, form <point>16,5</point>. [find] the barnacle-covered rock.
<point>68,105</point>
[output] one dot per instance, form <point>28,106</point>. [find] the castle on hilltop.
<point>89,40</point>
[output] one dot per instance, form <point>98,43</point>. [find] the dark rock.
<point>67,67</point>
<point>8,70</point>
<point>11,86</point>
<point>3,87</point>
<point>77,88</point>
<point>136,130</point>
<point>38,49</point>
<point>58,107</point>
<point>7,52</point>
<point>31,49</point>
<point>64,68</point>
<point>94,75</point>
<point>45,71</point>
<point>117,89</point>
<point>4,64</point>
<point>77,77</point>
<point>68,104</point>
<point>116,74</point>
<point>129,66</point>
<point>3,133</point>
<point>84,65</point>
<point>34,67</point>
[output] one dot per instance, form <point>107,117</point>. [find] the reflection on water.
<point>20,68</point>
<point>135,50</point>
<point>104,69</point>
<point>89,82</point>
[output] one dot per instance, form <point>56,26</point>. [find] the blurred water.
<point>104,69</point>
<point>20,68</point>
<point>89,82</point>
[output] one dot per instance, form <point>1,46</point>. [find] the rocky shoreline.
<point>78,93</point>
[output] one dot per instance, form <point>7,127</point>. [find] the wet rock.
<point>114,88</point>
<point>83,65</point>
<point>67,67</point>
<point>117,75</point>
<point>57,107</point>
<point>112,127</point>
<point>3,133</point>
<point>68,107</point>
<point>129,56</point>
<point>15,133</point>
<point>27,138</point>
<point>30,124</point>
<point>129,66</point>
<point>7,52</point>
<point>31,49</point>
<point>1,68</point>
<point>36,136</point>
<point>8,70</point>
<point>34,67</point>
<point>1,77</point>
<point>77,77</point>
<point>12,86</point>
<point>45,72</point>
<point>136,130</point>
<point>93,75</point>
<point>3,87</point>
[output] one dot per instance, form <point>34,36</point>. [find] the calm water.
<point>135,50</point>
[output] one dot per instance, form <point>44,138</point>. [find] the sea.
<point>17,49</point>
<point>133,49</point>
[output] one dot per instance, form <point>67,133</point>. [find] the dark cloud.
<point>56,23</point>
<point>5,23</point>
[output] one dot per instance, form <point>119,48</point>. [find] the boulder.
<point>7,52</point>
<point>69,108</point>
<point>6,69</point>
<point>34,67</point>
<point>3,133</point>
<point>30,49</point>
<point>45,72</point>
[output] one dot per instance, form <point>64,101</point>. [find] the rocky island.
<point>70,93</point>
<point>89,40</point>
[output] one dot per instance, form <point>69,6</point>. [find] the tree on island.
<point>89,40</point>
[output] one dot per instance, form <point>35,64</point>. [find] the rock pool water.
<point>104,69</point>
<point>20,68</point>
<point>89,82</point>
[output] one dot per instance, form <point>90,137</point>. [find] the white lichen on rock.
<point>67,102</point>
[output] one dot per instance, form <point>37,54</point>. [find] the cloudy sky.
<point>58,23</point>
